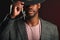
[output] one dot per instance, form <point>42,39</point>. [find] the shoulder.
<point>47,23</point>
<point>48,26</point>
<point>49,29</point>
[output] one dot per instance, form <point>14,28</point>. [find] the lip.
<point>30,10</point>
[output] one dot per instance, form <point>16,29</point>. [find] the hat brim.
<point>33,2</point>
<point>29,2</point>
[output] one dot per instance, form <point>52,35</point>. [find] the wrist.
<point>11,16</point>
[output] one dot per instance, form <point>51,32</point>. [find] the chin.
<point>32,15</point>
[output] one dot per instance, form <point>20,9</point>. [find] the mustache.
<point>31,11</point>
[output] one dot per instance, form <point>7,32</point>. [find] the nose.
<point>28,7</point>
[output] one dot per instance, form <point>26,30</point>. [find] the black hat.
<point>28,2</point>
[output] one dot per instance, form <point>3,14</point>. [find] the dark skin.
<point>32,12</point>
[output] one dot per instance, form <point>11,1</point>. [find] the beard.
<point>28,16</point>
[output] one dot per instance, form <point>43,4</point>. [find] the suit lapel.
<point>22,30</point>
<point>44,31</point>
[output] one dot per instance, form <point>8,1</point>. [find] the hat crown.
<point>28,0</point>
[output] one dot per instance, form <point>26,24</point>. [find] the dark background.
<point>50,11</point>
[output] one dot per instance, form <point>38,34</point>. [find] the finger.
<point>22,3</point>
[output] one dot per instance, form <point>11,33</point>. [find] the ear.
<point>39,5</point>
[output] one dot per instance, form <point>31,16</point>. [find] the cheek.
<point>35,8</point>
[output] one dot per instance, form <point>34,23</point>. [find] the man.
<point>30,28</point>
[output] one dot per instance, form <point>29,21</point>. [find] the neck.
<point>33,21</point>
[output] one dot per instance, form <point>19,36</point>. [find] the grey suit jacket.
<point>15,30</point>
